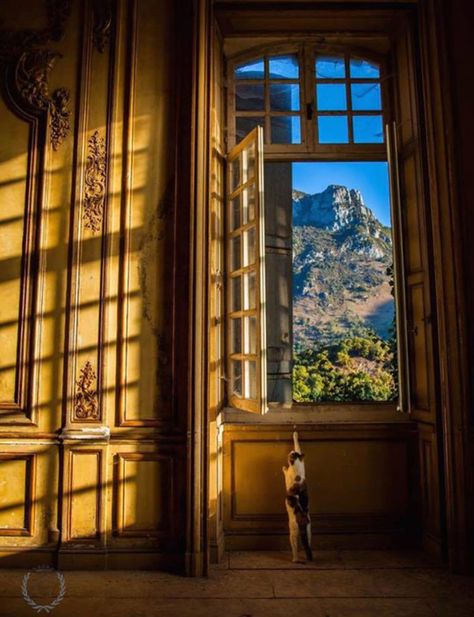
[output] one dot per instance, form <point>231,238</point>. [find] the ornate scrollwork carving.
<point>31,82</point>
<point>102,10</point>
<point>95,183</point>
<point>31,77</point>
<point>27,66</point>
<point>86,401</point>
<point>60,116</point>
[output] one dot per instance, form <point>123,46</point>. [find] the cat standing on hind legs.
<point>297,502</point>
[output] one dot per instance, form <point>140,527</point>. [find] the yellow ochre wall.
<point>92,417</point>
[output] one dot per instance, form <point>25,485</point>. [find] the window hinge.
<point>218,278</point>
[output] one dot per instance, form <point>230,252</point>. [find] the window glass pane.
<point>250,335</point>
<point>249,246</point>
<point>250,203</point>
<point>343,309</point>
<point>235,293</point>
<point>332,130</point>
<point>284,67</point>
<point>368,129</point>
<point>235,253</point>
<point>235,213</point>
<point>331,97</point>
<point>245,125</point>
<point>249,291</point>
<point>285,130</point>
<point>249,97</point>
<point>236,335</point>
<point>250,368</point>
<point>236,377</point>
<point>284,97</point>
<point>249,162</point>
<point>330,67</point>
<point>253,69</point>
<point>366,96</point>
<point>235,174</point>
<point>364,68</point>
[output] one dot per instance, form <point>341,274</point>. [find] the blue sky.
<point>370,178</point>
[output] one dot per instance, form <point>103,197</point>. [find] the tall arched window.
<point>318,324</point>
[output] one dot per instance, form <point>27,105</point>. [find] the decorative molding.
<point>95,181</point>
<point>31,82</point>
<point>28,490</point>
<point>164,464</point>
<point>59,116</point>
<point>14,42</point>
<point>27,65</point>
<point>31,77</point>
<point>86,402</point>
<point>102,26</point>
<point>78,460</point>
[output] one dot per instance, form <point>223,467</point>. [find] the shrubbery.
<point>354,369</point>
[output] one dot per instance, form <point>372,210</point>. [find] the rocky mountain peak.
<point>341,252</point>
<point>333,209</point>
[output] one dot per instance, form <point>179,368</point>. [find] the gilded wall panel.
<point>14,166</point>
<point>28,496</point>
<point>145,287</point>
<point>359,481</point>
<point>85,494</point>
<point>144,494</point>
<point>17,490</point>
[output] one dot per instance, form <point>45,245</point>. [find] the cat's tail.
<point>305,542</point>
<point>296,442</point>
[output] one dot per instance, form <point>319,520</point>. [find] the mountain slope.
<point>341,252</point>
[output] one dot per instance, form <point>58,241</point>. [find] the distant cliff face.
<point>340,255</point>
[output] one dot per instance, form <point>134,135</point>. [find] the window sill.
<point>363,413</point>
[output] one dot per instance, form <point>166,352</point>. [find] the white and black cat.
<point>297,502</point>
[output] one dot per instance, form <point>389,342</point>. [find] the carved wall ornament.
<point>59,116</point>
<point>102,26</point>
<point>31,82</point>
<point>14,43</point>
<point>95,183</point>
<point>26,67</point>
<point>86,401</point>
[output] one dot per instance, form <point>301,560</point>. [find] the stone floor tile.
<point>388,559</point>
<point>78,607</point>
<point>325,583</point>
<point>281,560</point>
<point>376,607</point>
<point>452,607</point>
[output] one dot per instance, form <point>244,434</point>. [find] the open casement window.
<point>406,150</point>
<point>246,348</point>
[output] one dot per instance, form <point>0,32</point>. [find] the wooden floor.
<point>251,584</point>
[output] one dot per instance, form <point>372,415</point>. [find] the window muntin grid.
<point>267,93</point>
<point>348,100</point>
<point>309,100</point>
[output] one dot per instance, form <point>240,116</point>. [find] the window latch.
<point>309,111</point>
